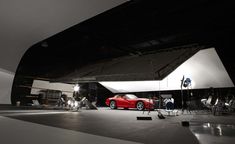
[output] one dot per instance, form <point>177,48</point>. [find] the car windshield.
<point>131,96</point>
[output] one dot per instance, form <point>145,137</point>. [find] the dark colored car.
<point>129,101</point>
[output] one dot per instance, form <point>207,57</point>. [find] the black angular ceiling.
<point>135,27</point>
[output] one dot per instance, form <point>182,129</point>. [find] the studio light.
<point>187,82</point>
<point>76,88</point>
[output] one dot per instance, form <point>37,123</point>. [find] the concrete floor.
<point>112,126</point>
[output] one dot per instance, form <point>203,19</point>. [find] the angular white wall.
<point>205,69</point>
<point>26,22</point>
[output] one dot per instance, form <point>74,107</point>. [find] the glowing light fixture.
<point>76,88</point>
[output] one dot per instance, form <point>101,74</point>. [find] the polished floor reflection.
<point>213,133</point>
<point>118,125</point>
<point>114,126</point>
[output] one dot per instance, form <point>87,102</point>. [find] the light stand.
<point>186,83</point>
<point>181,90</point>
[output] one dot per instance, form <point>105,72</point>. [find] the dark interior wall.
<point>225,47</point>
<point>133,28</point>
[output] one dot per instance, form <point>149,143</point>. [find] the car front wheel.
<point>113,105</point>
<point>140,105</point>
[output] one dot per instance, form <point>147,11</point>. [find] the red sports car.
<point>129,101</point>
